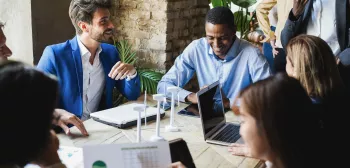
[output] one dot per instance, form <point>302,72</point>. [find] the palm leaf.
<point>125,52</point>
<point>243,3</point>
<point>149,80</point>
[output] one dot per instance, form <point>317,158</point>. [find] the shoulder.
<point>58,49</point>
<point>196,48</point>
<point>108,47</point>
<point>52,52</point>
<point>247,49</point>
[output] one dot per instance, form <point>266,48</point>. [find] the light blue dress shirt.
<point>243,65</point>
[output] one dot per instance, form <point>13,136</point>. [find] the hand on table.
<point>65,118</point>
<point>239,150</point>
<point>121,70</point>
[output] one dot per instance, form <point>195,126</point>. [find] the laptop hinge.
<point>215,129</point>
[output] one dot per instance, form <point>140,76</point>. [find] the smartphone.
<point>191,110</point>
<point>180,153</point>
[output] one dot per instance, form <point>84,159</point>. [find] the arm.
<point>258,66</point>
<point>262,12</point>
<point>294,21</point>
<point>344,57</point>
<point>126,76</point>
<point>291,29</point>
<point>182,66</point>
<point>130,88</point>
<point>47,61</point>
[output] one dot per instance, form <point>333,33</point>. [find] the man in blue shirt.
<point>220,56</point>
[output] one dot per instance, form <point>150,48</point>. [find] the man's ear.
<point>83,26</point>
<point>234,30</point>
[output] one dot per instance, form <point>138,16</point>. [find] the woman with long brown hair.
<point>271,123</point>
<point>311,61</point>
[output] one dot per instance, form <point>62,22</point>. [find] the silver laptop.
<point>215,128</point>
<point>124,116</point>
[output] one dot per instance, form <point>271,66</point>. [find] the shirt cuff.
<point>128,78</point>
<point>183,94</point>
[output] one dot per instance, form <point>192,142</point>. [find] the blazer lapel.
<point>341,17</point>
<point>77,61</point>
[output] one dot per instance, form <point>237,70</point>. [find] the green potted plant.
<point>149,77</point>
<point>242,17</point>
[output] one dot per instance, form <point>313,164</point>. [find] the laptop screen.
<point>211,106</point>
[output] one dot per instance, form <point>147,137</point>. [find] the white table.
<point>204,154</point>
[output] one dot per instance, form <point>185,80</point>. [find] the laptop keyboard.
<point>229,134</point>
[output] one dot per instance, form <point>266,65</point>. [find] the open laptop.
<point>124,116</point>
<point>215,128</point>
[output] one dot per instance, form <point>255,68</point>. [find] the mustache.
<point>109,30</point>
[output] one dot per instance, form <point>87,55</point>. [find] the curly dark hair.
<point>83,10</point>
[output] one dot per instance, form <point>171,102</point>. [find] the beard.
<point>102,37</point>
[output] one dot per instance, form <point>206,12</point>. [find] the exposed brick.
<point>159,30</point>
<point>141,34</point>
<point>140,15</point>
<point>180,24</point>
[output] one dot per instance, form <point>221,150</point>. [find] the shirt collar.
<point>232,52</point>
<point>84,50</point>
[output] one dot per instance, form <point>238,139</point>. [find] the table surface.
<point>204,154</point>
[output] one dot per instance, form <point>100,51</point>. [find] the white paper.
<point>72,157</point>
<point>131,155</point>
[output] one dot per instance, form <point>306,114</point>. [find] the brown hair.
<point>83,10</point>
<point>281,108</point>
<point>314,65</point>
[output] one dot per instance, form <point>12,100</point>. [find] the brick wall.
<point>159,30</point>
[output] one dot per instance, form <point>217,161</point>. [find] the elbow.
<point>135,94</point>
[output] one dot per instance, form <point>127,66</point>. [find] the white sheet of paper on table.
<point>72,157</point>
<point>136,155</point>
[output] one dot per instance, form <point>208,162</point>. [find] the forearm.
<point>164,84</point>
<point>262,12</point>
<point>291,29</point>
<point>131,89</point>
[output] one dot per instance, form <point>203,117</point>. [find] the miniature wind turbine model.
<point>139,109</point>
<point>178,85</point>
<point>157,137</point>
<point>164,101</point>
<point>172,128</point>
<point>145,106</point>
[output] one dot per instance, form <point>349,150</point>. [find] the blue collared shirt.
<point>243,65</point>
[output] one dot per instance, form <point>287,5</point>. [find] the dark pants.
<point>280,60</point>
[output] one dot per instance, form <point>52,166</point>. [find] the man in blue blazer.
<point>87,68</point>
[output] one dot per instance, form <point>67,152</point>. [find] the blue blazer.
<point>64,61</point>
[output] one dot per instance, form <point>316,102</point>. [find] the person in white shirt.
<point>87,67</point>
<point>327,19</point>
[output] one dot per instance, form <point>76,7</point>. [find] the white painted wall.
<point>18,28</point>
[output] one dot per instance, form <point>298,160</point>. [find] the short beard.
<point>99,37</point>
